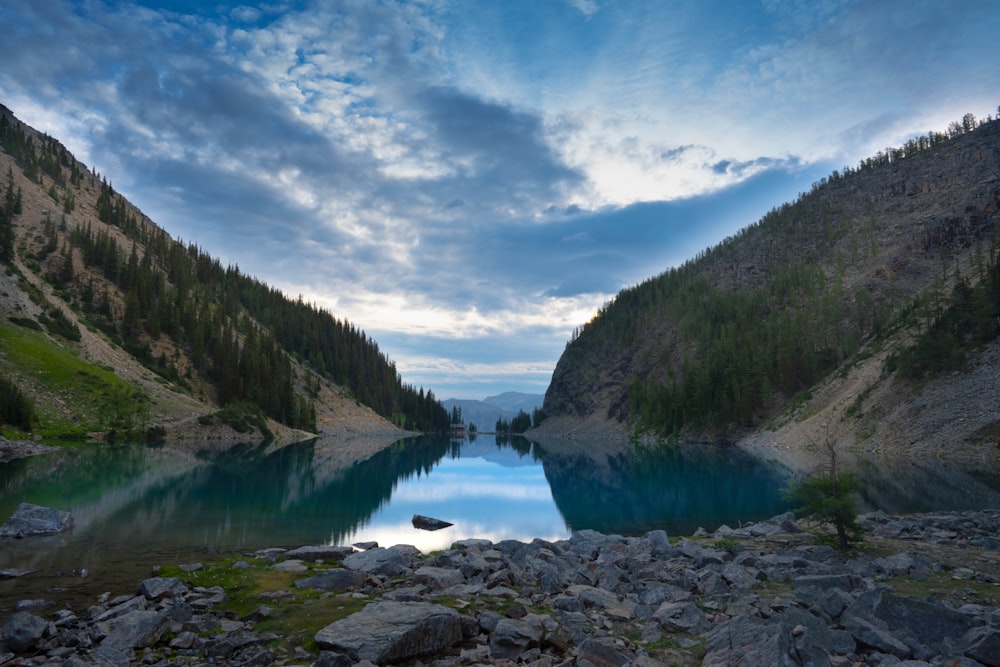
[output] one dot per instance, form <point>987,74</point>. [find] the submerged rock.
<point>34,520</point>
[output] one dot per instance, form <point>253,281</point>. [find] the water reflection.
<point>674,488</point>
<point>136,507</point>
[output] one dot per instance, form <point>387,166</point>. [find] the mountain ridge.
<point>161,332</point>
<point>737,344</point>
<point>485,413</point>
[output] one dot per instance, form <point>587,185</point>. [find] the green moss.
<point>295,617</point>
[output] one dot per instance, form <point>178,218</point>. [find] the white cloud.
<point>586,7</point>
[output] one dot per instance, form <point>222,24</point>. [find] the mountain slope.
<point>843,278</point>
<point>163,333</point>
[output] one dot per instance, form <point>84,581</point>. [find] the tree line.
<point>726,351</point>
<point>238,333</point>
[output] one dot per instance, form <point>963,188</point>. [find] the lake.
<point>136,507</point>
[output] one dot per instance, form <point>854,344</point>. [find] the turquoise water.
<point>136,507</point>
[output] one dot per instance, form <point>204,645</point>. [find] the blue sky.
<point>469,181</point>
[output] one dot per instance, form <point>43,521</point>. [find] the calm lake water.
<point>136,507</point>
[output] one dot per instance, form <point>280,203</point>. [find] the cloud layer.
<point>469,181</point>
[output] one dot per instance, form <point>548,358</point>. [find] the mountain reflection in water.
<point>136,507</point>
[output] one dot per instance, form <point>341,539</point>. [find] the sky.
<point>469,181</point>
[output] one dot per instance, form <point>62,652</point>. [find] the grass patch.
<point>61,376</point>
<point>946,587</point>
<point>295,617</point>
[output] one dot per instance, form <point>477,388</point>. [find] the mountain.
<point>485,414</point>
<point>864,313</point>
<point>513,401</point>
<point>111,326</point>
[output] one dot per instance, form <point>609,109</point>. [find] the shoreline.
<point>767,590</point>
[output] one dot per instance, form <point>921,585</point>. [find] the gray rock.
<point>511,638</point>
<point>595,653</point>
<point>931,624</point>
<point>438,578</point>
<point>986,647</point>
<point>747,641</point>
<point>126,606</point>
<point>737,577</point>
<point>333,659</point>
<point>134,630</point>
<point>321,552</point>
<point>340,579</point>
<point>872,636</point>
<point>659,544</point>
<point>681,617</point>
<point>33,520</point>
<point>291,565</point>
<point>31,605</point>
<point>158,588</point>
<point>377,560</point>
<point>23,630</point>
<point>824,582</point>
<point>385,632</point>
<point>477,544</point>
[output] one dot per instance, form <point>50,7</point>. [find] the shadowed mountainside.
<point>829,320</point>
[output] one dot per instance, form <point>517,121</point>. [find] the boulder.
<point>134,630</point>
<point>438,578</point>
<point>23,631</point>
<point>930,624</point>
<point>391,562</point>
<point>870,635</point>
<point>681,617</point>
<point>386,632</point>
<point>158,588</point>
<point>748,641</point>
<point>33,520</point>
<point>986,647</point>
<point>511,638</point>
<point>595,653</point>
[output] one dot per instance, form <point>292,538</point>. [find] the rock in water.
<point>429,523</point>
<point>34,520</point>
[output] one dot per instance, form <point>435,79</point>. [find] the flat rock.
<point>321,552</point>
<point>387,631</point>
<point>34,520</point>
<point>340,579</point>
<point>391,562</point>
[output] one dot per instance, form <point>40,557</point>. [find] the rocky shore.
<point>923,591</point>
